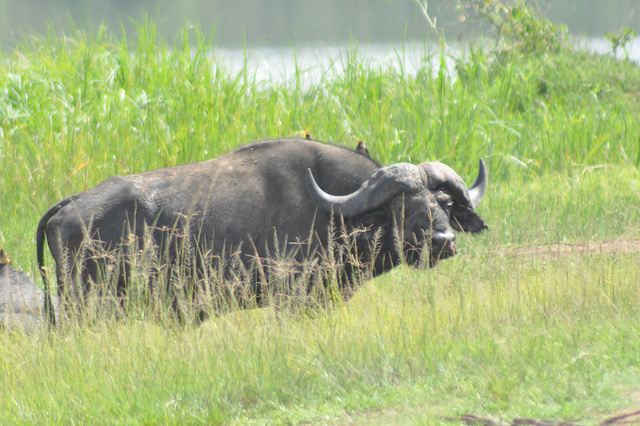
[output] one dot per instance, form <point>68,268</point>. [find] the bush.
<point>518,27</point>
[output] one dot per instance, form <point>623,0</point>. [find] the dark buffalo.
<point>271,199</point>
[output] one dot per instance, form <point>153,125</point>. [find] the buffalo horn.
<point>476,192</point>
<point>383,185</point>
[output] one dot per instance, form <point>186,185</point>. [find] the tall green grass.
<point>492,331</point>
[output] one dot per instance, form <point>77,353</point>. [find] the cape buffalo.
<point>294,198</point>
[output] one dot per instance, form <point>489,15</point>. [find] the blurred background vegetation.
<point>280,22</point>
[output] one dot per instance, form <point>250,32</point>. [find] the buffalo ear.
<point>465,219</point>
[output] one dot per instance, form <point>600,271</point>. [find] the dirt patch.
<point>626,417</point>
<point>563,249</point>
<point>632,418</point>
<point>623,417</point>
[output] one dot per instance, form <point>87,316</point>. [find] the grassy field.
<point>536,318</point>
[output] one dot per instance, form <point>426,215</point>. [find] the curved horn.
<point>476,192</point>
<point>383,185</point>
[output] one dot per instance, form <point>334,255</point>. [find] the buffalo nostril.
<point>443,244</point>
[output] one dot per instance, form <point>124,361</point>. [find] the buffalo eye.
<point>444,200</point>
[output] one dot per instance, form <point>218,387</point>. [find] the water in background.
<point>276,39</point>
<point>260,23</point>
<point>315,63</point>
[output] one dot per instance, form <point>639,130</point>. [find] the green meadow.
<point>538,318</point>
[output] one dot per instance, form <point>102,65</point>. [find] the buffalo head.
<point>424,202</point>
